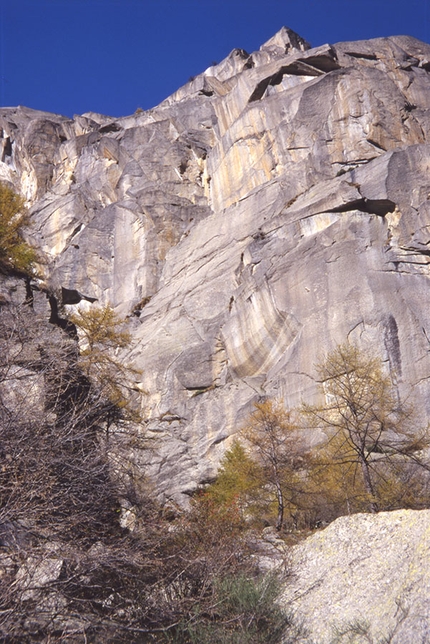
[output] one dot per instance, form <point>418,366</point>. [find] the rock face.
<point>277,204</point>
<point>365,570</point>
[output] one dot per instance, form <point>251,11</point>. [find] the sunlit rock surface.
<point>277,204</point>
<point>364,572</point>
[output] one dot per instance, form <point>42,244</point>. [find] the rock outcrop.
<point>363,579</point>
<point>277,204</point>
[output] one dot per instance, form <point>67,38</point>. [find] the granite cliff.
<point>277,204</point>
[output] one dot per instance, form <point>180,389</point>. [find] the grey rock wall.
<point>277,204</point>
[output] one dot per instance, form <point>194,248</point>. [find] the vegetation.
<point>372,458</point>
<point>265,472</point>
<point>68,570</point>
<point>373,455</point>
<point>244,611</point>
<point>102,334</point>
<point>15,252</point>
<point>68,430</point>
<point>276,442</point>
<point>231,601</point>
<point>238,481</point>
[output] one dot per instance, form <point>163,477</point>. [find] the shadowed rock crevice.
<point>309,66</point>
<point>72,296</point>
<point>57,320</point>
<point>361,55</point>
<point>380,207</point>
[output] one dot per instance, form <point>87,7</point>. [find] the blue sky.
<point>113,56</point>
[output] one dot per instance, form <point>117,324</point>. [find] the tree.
<point>277,446</point>
<point>15,253</point>
<point>367,427</point>
<point>239,479</point>
<point>102,334</point>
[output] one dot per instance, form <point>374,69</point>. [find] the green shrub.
<point>243,610</point>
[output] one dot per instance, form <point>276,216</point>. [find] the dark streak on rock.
<point>392,344</point>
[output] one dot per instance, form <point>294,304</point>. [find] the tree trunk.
<point>280,497</point>
<point>368,486</point>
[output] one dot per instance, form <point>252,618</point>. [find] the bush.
<point>244,610</point>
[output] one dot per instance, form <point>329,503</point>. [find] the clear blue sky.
<point>113,56</point>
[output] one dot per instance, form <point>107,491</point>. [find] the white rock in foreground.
<point>367,569</point>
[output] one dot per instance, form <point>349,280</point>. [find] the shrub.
<point>243,610</point>
<point>68,571</point>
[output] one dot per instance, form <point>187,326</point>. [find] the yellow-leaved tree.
<point>15,253</point>
<point>102,337</point>
<point>373,450</point>
<point>265,470</point>
<point>276,443</point>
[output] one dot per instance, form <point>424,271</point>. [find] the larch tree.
<point>368,429</point>
<point>15,253</point>
<point>277,446</point>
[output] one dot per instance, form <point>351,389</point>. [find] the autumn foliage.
<point>69,570</point>
<point>372,457</point>
<point>15,253</point>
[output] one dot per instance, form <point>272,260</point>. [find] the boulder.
<point>364,578</point>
